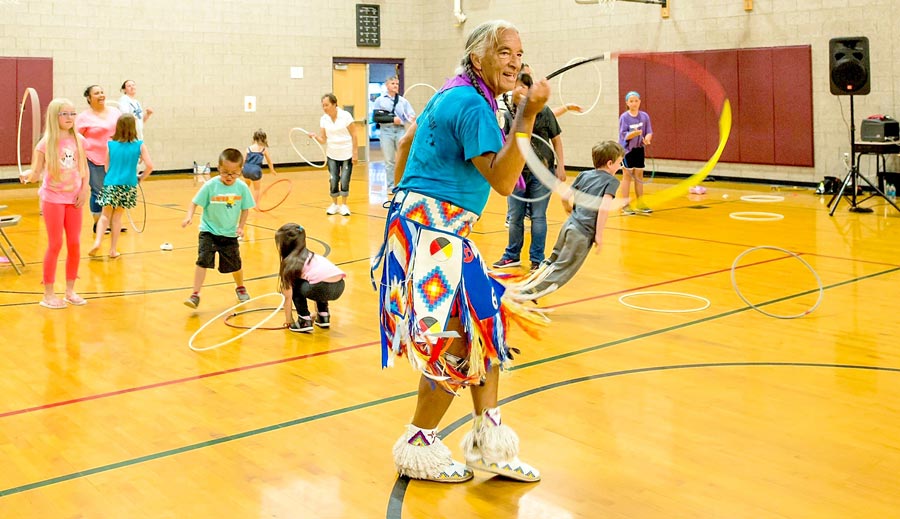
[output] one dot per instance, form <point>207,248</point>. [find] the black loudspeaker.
<point>848,63</point>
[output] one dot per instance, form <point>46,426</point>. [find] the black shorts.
<point>634,159</point>
<point>228,248</point>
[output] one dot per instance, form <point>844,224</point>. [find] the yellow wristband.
<point>523,135</point>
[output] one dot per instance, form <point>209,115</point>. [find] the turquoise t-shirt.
<point>222,206</point>
<point>456,126</point>
<point>123,160</point>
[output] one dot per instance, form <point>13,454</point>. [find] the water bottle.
<point>891,191</point>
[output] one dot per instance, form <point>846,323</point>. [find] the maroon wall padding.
<point>771,117</point>
<point>723,65</point>
<point>757,129</point>
<point>792,80</point>
<point>690,114</point>
<point>36,73</point>
<point>8,111</point>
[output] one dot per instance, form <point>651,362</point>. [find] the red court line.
<point>348,348</point>
<point>180,380</point>
<point>651,285</point>
<point>720,242</point>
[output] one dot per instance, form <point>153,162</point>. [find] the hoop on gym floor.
<point>760,310</point>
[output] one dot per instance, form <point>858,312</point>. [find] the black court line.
<point>398,492</point>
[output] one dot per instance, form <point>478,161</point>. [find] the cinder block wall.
<point>195,61</point>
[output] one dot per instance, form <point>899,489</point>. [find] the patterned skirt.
<point>431,273</point>
<point>118,196</point>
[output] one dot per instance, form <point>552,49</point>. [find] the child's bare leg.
<point>102,225</point>
<point>71,295</point>
<point>238,277</point>
<point>638,182</point>
<point>626,184</point>
<point>115,227</point>
<point>49,294</point>
<point>199,276</point>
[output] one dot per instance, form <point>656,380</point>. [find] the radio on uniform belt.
<point>879,128</point>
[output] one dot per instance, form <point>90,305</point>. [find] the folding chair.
<point>9,221</point>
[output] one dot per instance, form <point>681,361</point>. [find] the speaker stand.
<point>852,176</point>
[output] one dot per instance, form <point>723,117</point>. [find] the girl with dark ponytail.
<point>304,275</point>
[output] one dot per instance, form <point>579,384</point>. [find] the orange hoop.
<point>266,190</point>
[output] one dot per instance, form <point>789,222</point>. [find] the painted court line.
<point>311,418</point>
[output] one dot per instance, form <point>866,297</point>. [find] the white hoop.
<point>599,86</point>
<point>143,201</point>
<point>756,216</point>
<point>762,198</point>
<point>32,95</point>
<point>760,310</point>
<point>216,318</point>
<point>549,192</point>
<point>660,292</point>
<point>406,93</point>
<point>313,164</point>
<point>548,178</point>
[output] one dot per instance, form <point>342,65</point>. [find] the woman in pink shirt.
<point>97,125</point>
<point>303,275</point>
<point>59,159</point>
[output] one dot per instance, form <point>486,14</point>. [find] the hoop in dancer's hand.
<point>599,85</point>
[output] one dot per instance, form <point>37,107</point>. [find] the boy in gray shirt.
<point>588,203</point>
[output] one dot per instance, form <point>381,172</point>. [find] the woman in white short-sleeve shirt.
<point>129,105</point>
<point>336,132</point>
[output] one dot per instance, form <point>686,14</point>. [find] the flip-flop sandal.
<point>52,306</point>
<point>77,300</point>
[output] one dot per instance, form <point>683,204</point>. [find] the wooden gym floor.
<point>720,412</point>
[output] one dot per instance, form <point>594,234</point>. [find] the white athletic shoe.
<point>332,209</point>
<point>345,211</point>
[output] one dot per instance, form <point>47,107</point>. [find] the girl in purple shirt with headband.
<point>635,131</point>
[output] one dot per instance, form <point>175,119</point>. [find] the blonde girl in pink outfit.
<point>97,125</point>
<point>59,159</point>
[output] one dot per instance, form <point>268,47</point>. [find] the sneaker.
<point>323,321</point>
<point>193,301</point>
<point>242,294</point>
<point>535,265</point>
<point>628,211</point>
<point>505,263</point>
<point>302,324</point>
<point>645,210</point>
<point>332,209</point>
<point>345,211</point>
